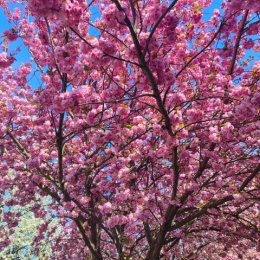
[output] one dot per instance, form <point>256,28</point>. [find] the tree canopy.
<point>139,121</point>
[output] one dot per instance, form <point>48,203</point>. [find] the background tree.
<point>19,227</point>
<point>144,130</point>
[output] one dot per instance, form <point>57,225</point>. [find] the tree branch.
<point>18,144</point>
<point>249,178</point>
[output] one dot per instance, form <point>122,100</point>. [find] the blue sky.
<point>24,56</point>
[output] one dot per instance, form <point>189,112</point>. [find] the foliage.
<point>144,130</point>
<point>18,234</point>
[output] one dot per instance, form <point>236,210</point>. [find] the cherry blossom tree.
<point>143,129</point>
